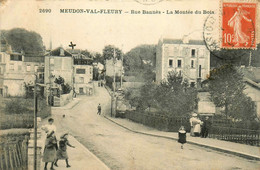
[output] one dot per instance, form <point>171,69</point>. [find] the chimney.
<point>62,52</point>
<point>185,39</point>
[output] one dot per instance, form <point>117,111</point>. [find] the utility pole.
<point>122,69</point>
<point>113,105</point>
<point>35,123</point>
<point>250,58</point>
<point>114,62</point>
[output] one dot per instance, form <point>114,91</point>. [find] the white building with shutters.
<point>190,58</point>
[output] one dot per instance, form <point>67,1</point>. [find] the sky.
<point>94,31</point>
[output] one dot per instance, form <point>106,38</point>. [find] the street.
<point>119,148</point>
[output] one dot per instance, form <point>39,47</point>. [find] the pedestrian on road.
<point>182,136</point>
<point>62,151</point>
<point>50,148</point>
<point>99,109</point>
<point>205,127</point>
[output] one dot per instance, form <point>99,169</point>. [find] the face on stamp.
<point>238,25</point>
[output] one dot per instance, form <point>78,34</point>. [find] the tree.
<point>22,40</point>
<point>174,96</point>
<point>140,62</point>
<point>108,52</point>
<point>226,88</point>
<point>66,88</point>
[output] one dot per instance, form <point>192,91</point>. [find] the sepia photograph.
<point>129,84</point>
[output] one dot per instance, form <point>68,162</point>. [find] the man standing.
<point>99,109</point>
<point>205,127</point>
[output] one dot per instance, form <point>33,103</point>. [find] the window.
<point>193,52</point>
<point>0,70</point>
<point>192,64</point>
<point>11,67</point>
<point>179,63</point>
<point>80,71</point>
<point>16,57</point>
<point>170,63</point>
<point>90,70</point>
<point>192,84</point>
<point>0,58</point>
<point>199,71</point>
<point>28,68</point>
<point>35,68</point>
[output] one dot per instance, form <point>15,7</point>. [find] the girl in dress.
<point>49,153</point>
<point>182,136</point>
<point>62,151</point>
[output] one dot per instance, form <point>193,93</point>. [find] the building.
<point>190,58</point>
<point>58,62</point>
<point>114,67</point>
<point>18,70</point>
<point>83,73</point>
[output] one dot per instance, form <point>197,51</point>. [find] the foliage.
<point>226,88</point>
<point>173,96</point>
<point>17,106</point>
<point>66,88</point>
<point>110,80</point>
<point>22,40</point>
<point>141,60</point>
<point>109,51</point>
<point>98,58</point>
<point>236,57</point>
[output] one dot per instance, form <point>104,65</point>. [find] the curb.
<point>88,152</point>
<point>225,150</point>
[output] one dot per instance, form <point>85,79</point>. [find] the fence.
<point>217,131</point>
<point>244,136</point>
<point>158,121</point>
<point>14,152</point>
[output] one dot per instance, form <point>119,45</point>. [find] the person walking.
<point>205,127</point>
<point>182,136</point>
<point>99,109</point>
<point>50,148</point>
<point>62,151</point>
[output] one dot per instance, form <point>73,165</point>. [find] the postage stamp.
<point>238,25</point>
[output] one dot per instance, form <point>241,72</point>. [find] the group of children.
<point>52,151</point>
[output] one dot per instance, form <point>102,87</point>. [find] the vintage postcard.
<point>129,84</point>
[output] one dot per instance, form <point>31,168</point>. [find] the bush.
<point>17,106</point>
<point>19,113</point>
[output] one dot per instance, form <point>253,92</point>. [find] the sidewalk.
<point>79,158</point>
<point>242,150</point>
<point>70,105</point>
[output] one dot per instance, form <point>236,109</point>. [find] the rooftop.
<point>180,41</point>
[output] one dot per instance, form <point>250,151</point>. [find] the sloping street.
<point>119,148</point>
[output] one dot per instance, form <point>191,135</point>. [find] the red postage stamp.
<point>238,25</point>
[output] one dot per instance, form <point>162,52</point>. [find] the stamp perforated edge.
<point>221,26</point>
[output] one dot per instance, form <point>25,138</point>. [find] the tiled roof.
<point>56,52</point>
<point>180,41</point>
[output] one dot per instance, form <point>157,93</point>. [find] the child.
<point>182,136</point>
<point>62,151</point>
<point>99,109</point>
<point>49,153</point>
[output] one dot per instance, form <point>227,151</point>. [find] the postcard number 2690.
<point>44,10</point>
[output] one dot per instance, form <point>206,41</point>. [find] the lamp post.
<point>35,123</point>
